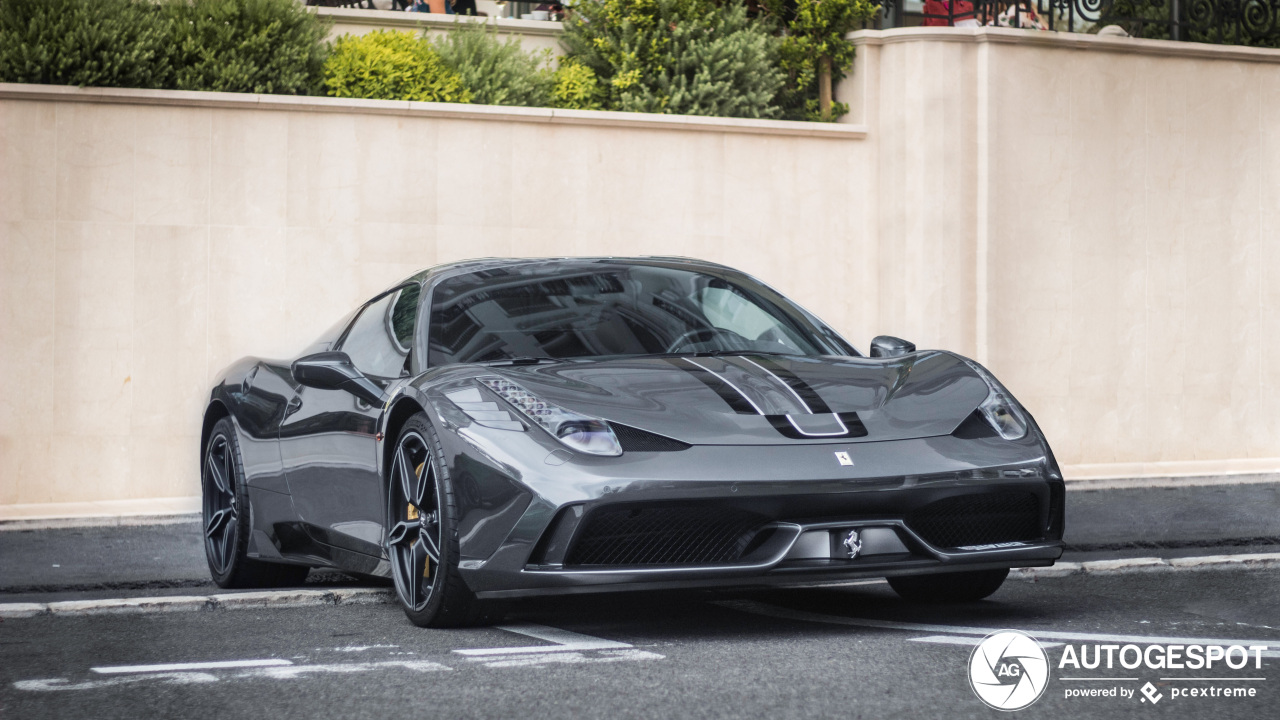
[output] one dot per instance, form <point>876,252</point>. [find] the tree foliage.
<point>391,65</point>
<point>815,37</point>
<point>258,46</point>
<point>271,46</point>
<point>496,72</point>
<point>115,43</point>
<point>687,57</point>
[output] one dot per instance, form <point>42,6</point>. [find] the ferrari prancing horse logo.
<point>844,458</point>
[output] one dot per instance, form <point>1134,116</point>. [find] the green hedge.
<point>390,65</point>
<point>267,46</point>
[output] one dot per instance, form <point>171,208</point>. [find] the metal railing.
<point>1237,22</point>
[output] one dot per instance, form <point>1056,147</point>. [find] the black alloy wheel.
<point>225,504</point>
<point>422,533</point>
<point>414,539</point>
<point>221,518</point>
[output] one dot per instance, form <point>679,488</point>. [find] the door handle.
<point>295,403</point>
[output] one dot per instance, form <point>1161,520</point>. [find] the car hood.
<point>755,399</point>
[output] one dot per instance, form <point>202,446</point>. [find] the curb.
<point>1150,564</point>
<point>182,603</point>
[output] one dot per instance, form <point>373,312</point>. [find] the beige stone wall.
<point>1097,220</point>
<point>1094,218</point>
<point>151,238</point>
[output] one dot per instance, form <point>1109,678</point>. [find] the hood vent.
<point>637,440</point>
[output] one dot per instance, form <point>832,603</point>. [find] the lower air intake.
<point>664,536</point>
<point>978,520</point>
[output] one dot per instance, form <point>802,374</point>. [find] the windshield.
<point>600,310</point>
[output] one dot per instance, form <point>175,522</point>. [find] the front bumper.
<point>797,489</point>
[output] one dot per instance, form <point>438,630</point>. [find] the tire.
<point>958,587</point>
<point>226,513</point>
<point>422,533</point>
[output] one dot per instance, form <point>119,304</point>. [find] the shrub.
<point>677,56</point>
<point>576,87</point>
<point>814,52</point>
<point>115,43</point>
<point>391,65</point>
<point>259,46</point>
<point>495,72</point>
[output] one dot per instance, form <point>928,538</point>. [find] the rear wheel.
<point>949,587</point>
<point>225,501</point>
<point>422,537</point>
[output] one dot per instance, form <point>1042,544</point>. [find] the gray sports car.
<point>497,429</point>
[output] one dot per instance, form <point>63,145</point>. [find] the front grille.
<point>637,440</point>
<point>978,520</point>
<point>664,535</point>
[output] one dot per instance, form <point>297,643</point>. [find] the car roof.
<point>478,264</point>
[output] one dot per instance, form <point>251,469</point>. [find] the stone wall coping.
<point>390,19</point>
<point>1066,40</point>
<point>445,111</point>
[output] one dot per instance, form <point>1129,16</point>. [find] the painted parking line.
<point>759,608</point>
<point>563,641</point>
<point>566,648</point>
<point>967,640</point>
<point>180,667</point>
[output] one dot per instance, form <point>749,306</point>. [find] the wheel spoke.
<point>417,567</point>
<point>408,478</point>
<point>217,520</point>
<point>402,531</point>
<point>218,472</point>
<point>429,543</point>
<point>228,539</point>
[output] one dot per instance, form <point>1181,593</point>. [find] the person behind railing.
<point>445,7</point>
<point>1018,14</point>
<point>940,13</point>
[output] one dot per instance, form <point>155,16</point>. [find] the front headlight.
<point>1003,415</point>
<point>999,409</point>
<point>585,434</point>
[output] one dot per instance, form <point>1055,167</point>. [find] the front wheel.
<point>422,538</point>
<point>949,587</point>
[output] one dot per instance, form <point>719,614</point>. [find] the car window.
<point>380,341</point>
<point>605,310</point>
<point>727,309</point>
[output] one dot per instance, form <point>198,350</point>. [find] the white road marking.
<point>293,672</point>
<point>179,667</point>
<point>959,640</point>
<point>565,641</point>
<point>52,684</point>
<point>569,648</point>
<point>759,608</point>
<point>567,658</point>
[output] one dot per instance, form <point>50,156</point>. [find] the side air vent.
<point>637,440</point>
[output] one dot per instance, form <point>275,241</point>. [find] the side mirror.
<point>335,371</point>
<point>887,346</point>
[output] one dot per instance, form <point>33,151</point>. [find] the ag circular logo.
<point>1008,670</point>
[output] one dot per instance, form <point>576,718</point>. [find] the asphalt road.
<point>848,652</point>
<point>790,654</point>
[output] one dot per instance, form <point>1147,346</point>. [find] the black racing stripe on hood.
<point>735,399</point>
<point>853,425</point>
<point>816,404</point>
